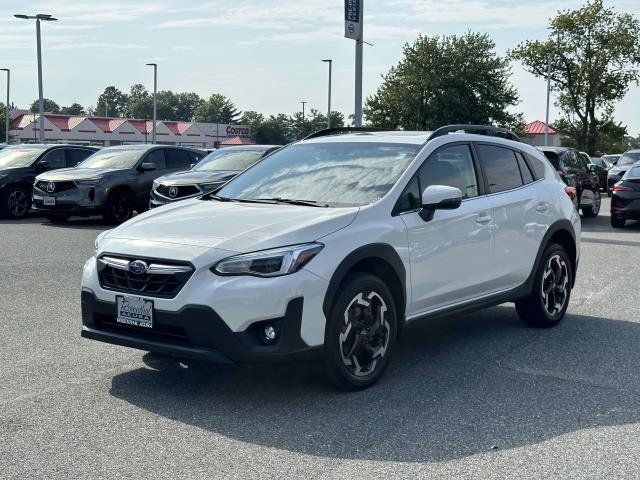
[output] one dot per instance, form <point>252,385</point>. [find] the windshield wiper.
<point>211,196</point>
<point>292,201</point>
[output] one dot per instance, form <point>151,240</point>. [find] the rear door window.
<point>500,167</point>
<point>527,175</point>
<point>176,158</point>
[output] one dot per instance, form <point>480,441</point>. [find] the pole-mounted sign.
<point>353,19</point>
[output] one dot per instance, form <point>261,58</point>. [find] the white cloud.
<point>112,11</point>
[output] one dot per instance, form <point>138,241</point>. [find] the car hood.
<point>232,226</point>
<point>75,173</point>
<point>192,177</point>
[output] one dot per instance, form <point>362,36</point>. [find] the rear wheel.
<point>617,222</point>
<point>361,333</point>
<point>594,208</point>
<point>118,207</point>
<point>16,202</point>
<point>549,299</point>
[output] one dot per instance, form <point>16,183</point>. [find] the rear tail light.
<point>623,189</point>
<point>573,194</point>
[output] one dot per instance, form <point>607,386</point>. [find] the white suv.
<point>331,245</point>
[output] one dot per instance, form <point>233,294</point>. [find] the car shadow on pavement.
<point>81,222</point>
<point>457,387</point>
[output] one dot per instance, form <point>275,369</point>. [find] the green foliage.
<point>111,103</point>
<point>139,102</point>
<point>49,106</point>
<point>217,109</point>
<point>595,55</point>
<point>73,109</point>
<point>444,80</point>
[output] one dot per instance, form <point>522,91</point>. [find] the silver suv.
<point>113,182</point>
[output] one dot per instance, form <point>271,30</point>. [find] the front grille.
<point>149,284</point>
<point>179,192</point>
<point>57,186</point>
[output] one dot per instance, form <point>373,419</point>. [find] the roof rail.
<point>344,130</point>
<point>488,130</point>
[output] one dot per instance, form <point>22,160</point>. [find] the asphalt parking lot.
<point>473,396</point>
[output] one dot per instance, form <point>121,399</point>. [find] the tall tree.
<point>274,130</point>
<point>186,105</point>
<point>73,109</point>
<point>49,106</point>
<point>217,109</point>
<point>111,103</point>
<point>595,53</point>
<point>139,102</point>
<point>444,80</point>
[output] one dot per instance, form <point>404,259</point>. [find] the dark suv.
<point>576,172</point>
<point>112,183</point>
<point>19,165</point>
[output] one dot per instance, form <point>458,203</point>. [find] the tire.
<point>617,222</point>
<point>361,333</point>
<point>594,209</point>
<point>15,202</point>
<point>552,284</point>
<point>118,208</point>
<point>57,218</point>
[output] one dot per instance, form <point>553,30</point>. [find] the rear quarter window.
<point>500,167</point>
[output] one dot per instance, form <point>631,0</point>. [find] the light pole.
<point>303,104</point>
<point>155,91</point>
<point>7,106</point>
<point>330,62</point>
<point>37,18</point>
<point>546,121</point>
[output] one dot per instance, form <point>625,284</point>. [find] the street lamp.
<point>155,91</point>
<point>303,104</point>
<point>38,18</point>
<point>330,62</point>
<point>7,106</point>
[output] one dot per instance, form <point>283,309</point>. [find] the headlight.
<point>208,187</point>
<point>99,239</point>
<point>90,181</point>
<point>156,184</point>
<point>269,263</point>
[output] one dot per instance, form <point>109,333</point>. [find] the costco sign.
<point>237,131</point>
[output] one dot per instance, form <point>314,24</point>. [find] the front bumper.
<point>81,201</point>
<point>158,200</point>
<point>198,332</point>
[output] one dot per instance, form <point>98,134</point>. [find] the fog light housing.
<point>269,334</point>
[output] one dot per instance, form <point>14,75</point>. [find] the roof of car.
<point>392,136</point>
<point>554,149</point>
<point>247,147</point>
<point>633,150</point>
<point>44,146</point>
<point>148,146</point>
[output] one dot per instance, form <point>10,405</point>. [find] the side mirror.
<point>192,165</point>
<point>439,197</point>
<point>42,166</point>
<point>147,167</point>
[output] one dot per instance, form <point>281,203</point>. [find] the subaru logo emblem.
<point>138,267</point>
<point>173,192</point>
<point>51,187</point>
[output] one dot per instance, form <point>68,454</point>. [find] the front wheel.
<point>549,298</point>
<point>16,202</point>
<point>594,208</point>
<point>118,207</point>
<point>617,222</point>
<point>361,333</point>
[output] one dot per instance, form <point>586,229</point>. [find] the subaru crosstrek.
<point>331,245</point>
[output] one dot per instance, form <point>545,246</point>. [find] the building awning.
<point>537,128</point>
<point>238,141</point>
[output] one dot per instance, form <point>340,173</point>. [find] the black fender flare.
<point>382,251</point>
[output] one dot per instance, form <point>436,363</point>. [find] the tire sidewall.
<point>338,372</point>
<point>5,201</point>
<point>114,197</point>
<point>551,250</point>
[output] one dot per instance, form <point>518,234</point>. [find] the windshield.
<point>634,172</point>
<point>229,160</point>
<point>349,173</point>
<point>629,158</point>
<point>18,157</point>
<point>598,161</point>
<point>113,158</point>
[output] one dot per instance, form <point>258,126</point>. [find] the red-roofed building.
<point>534,134</point>
<point>237,141</point>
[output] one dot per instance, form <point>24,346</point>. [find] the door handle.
<point>483,219</point>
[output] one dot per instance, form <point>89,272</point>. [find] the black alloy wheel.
<point>118,208</point>
<point>361,333</point>
<point>17,201</point>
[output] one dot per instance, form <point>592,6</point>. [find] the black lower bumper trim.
<point>198,332</point>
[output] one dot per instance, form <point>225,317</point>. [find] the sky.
<point>263,54</point>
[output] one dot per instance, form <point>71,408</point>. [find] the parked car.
<point>575,171</point>
<point>208,174</point>
<point>625,198</point>
<point>19,165</point>
<point>601,169</point>
<point>616,173</point>
<point>112,182</point>
<point>329,246</point>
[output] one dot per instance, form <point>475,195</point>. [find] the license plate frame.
<point>49,201</point>
<point>134,311</point>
